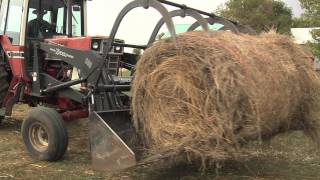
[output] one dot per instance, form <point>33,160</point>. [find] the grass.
<point>288,156</point>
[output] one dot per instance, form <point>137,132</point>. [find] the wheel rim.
<point>39,137</point>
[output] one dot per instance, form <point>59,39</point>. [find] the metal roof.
<point>302,35</point>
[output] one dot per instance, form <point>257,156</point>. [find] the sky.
<point>138,25</point>
<point>295,5</point>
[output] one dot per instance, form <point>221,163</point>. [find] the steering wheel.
<point>46,29</point>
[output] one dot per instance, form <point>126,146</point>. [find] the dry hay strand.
<point>215,91</point>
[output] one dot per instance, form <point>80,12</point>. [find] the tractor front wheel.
<point>44,134</point>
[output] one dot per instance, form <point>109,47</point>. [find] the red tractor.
<point>48,62</point>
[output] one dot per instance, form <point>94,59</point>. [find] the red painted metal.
<point>71,109</point>
<point>18,69</point>
<point>65,103</point>
<point>18,65</point>
<point>77,114</point>
<point>82,43</point>
<point>7,45</point>
<point>12,92</point>
<point>52,72</point>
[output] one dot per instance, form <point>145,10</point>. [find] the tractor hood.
<point>81,43</point>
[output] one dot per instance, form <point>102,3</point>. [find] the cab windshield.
<point>47,18</point>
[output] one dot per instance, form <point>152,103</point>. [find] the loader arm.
<point>89,62</point>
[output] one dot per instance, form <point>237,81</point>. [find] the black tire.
<point>44,134</point>
<point>3,85</point>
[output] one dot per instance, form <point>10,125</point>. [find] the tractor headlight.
<point>118,49</point>
<point>95,46</point>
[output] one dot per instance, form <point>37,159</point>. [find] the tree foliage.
<point>312,11</point>
<point>310,18</point>
<point>261,15</point>
<point>311,15</point>
<point>315,45</point>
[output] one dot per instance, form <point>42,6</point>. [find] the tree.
<point>312,11</point>
<point>261,15</point>
<point>315,45</point>
<point>311,18</point>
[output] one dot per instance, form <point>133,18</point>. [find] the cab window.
<point>32,16</point>
<point>14,20</point>
<point>76,21</point>
<point>49,18</point>
<point>3,15</point>
<point>61,21</point>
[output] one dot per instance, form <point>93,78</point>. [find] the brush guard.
<point>112,136</point>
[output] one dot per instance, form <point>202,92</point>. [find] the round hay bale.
<point>205,96</point>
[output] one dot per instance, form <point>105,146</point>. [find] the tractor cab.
<point>47,19</point>
<point>57,21</point>
<point>24,22</point>
<point>41,19</point>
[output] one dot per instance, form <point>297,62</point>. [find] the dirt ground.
<point>288,156</point>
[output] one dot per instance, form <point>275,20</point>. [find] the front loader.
<point>49,62</point>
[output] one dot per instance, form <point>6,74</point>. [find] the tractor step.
<point>113,64</point>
